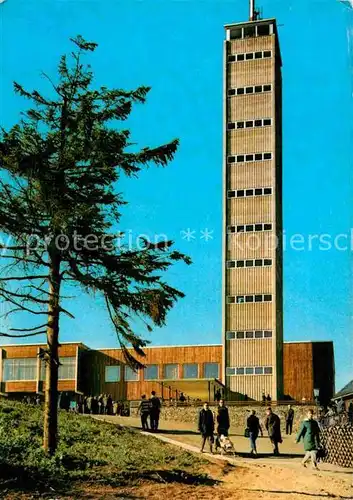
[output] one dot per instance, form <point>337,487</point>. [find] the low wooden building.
<point>22,370</point>
<point>169,370</point>
<point>194,370</point>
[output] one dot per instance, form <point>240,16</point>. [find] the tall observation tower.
<point>252,215</point>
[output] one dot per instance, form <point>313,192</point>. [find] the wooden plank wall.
<point>298,370</point>
<point>94,363</point>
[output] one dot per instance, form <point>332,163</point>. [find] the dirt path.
<point>266,478</point>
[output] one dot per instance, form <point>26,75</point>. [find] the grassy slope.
<point>88,451</point>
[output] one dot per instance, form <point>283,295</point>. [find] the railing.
<point>240,404</point>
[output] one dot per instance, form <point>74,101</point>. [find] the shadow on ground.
<point>304,493</point>
<point>18,479</point>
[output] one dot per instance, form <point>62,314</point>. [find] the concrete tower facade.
<point>252,215</point>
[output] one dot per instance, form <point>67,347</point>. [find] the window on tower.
<point>249,56</point>
<point>249,31</point>
<point>263,30</point>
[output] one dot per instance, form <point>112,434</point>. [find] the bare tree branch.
<point>22,336</point>
<point>22,278</point>
<point>28,329</point>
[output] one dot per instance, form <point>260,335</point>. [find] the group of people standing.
<point>309,430</point>
<point>101,405</point>
<point>150,409</point>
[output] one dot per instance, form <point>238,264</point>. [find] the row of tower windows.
<point>257,89</point>
<point>250,228</point>
<point>252,334</point>
<point>251,31</point>
<point>248,299</point>
<point>246,193</point>
<point>249,263</point>
<point>250,370</point>
<point>248,56</point>
<point>250,157</point>
<point>264,122</point>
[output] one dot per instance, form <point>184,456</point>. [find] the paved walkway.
<point>184,435</point>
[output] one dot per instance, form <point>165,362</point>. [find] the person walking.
<point>310,432</point>
<point>273,427</point>
<point>289,420</point>
<point>206,427</point>
<point>144,410</point>
<point>222,419</point>
<point>253,428</point>
<point>155,410</point>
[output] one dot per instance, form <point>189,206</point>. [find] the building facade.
<point>252,215</point>
<point>170,370</point>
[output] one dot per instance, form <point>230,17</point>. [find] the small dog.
<point>225,444</point>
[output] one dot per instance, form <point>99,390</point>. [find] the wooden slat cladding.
<point>251,140</point>
<point>249,107</point>
<point>298,370</point>
<point>251,352</point>
<point>251,245</point>
<point>131,390</point>
<point>250,209</point>
<point>246,175</point>
<point>252,385</point>
<point>246,316</point>
<point>20,386</point>
<point>259,279</point>
<point>244,74</point>
<point>31,351</point>
<point>173,354</point>
<point>253,44</point>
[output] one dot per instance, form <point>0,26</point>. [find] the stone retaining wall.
<point>238,415</point>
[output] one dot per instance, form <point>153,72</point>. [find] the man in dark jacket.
<point>222,419</point>
<point>254,428</point>
<point>206,426</point>
<point>289,420</point>
<point>144,410</point>
<point>310,432</point>
<point>273,426</point>
<point>155,410</point>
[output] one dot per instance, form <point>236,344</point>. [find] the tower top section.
<point>253,29</point>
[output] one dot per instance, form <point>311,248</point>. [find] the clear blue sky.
<point>176,47</point>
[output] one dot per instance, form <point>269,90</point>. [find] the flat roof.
<point>159,346</point>
<point>308,342</point>
<point>258,21</point>
<point>40,344</point>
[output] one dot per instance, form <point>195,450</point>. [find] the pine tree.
<point>59,206</point>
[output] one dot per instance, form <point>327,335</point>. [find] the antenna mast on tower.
<point>254,14</point>
<point>252,10</point>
